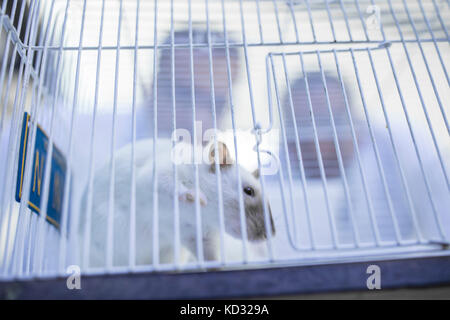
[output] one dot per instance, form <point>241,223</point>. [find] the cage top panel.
<point>239,23</point>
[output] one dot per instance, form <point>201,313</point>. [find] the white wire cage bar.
<point>347,100</point>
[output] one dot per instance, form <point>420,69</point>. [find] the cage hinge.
<point>385,44</point>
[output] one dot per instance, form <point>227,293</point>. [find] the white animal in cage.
<point>208,201</point>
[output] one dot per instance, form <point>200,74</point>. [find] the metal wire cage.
<point>341,105</point>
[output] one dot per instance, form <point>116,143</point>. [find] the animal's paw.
<point>189,196</point>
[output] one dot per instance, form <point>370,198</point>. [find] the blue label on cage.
<point>57,173</point>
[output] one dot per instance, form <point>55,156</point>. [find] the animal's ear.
<point>224,158</point>
<point>256,173</point>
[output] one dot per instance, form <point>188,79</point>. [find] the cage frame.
<point>27,51</point>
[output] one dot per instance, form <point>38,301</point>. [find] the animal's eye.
<point>249,191</point>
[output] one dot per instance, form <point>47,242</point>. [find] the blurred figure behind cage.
<point>185,87</point>
<point>387,203</point>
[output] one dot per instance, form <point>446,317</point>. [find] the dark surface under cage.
<point>291,282</point>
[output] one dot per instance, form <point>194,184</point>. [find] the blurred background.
<point>359,137</point>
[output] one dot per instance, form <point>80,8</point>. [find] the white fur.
<point>208,205</point>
